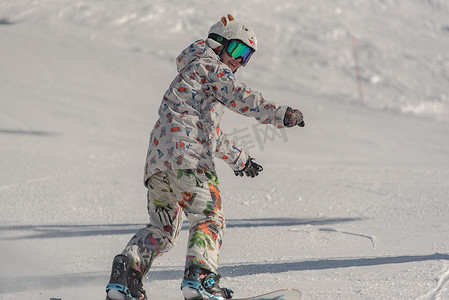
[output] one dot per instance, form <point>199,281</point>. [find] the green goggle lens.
<point>238,49</point>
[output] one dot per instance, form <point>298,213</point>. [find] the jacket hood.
<point>197,50</point>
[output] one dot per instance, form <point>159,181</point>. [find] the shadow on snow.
<point>23,283</point>
<point>5,21</point>
<point>26,132</point>
<point>64,231</point>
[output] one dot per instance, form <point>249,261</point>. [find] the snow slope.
<point>352,206</point>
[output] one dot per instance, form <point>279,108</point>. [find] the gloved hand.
<point>293,117</point>
<point>251,169</point>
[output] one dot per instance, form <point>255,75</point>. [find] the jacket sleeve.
<point>230,152</point>
<point>240,98</point>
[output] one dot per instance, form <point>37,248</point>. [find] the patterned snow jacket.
<point>187,134</point>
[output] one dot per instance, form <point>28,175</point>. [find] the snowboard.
<point>286,294</point>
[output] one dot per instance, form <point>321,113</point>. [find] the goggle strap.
<point>218,38</point>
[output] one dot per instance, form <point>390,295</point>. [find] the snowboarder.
<point>180,172</point>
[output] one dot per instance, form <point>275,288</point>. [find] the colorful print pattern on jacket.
<point>187,134</point>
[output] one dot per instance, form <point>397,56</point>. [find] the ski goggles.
<point>237,49</point>
<point>234,48</point>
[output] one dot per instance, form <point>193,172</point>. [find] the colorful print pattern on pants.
<point>172,195</point>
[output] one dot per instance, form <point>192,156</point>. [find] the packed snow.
<point>352,206</point>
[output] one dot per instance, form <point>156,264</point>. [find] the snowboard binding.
<point>125,282</point>
<point>201,284</point>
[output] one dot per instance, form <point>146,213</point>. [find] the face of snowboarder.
<point>232,63</point>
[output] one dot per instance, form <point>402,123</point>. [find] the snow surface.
<point>352,206</point>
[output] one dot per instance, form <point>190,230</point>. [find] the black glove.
<point>251,169</point>
<point>293,117</point>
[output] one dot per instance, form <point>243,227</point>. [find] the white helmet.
<point>230,29</point>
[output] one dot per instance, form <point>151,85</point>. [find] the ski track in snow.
<point>371,238</point>
<point>436,293</point>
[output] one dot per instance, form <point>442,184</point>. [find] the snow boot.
<point>125,282</point>
<point>202,284</point>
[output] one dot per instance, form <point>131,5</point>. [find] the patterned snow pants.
<point>171,195</point>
